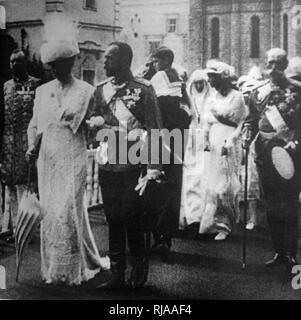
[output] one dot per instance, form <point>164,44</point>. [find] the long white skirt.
<point>192,172</point>
<point>220,182</point>
<point>68,250</point>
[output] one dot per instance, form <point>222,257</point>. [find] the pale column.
<point>296,38</point>
<point>236,34</point>
<point>196,34</point>
<point>275,23</point>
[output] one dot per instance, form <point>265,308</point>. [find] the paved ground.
<point>196,269</point>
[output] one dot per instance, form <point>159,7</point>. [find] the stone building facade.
<point>239,32</point>
<point>98,26</point>
<point>148,24</point>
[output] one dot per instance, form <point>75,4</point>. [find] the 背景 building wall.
<point>275,24</point>
<point>148,24</point>
<point>98,26</point>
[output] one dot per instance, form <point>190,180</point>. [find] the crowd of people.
<point>217,117</point>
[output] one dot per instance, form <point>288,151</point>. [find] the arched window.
<point>285,32</point>
<point>23,38</point>
<point>215,36</point>
<point>255,37</point>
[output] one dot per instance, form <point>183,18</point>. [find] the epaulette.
<point>142,81</point>
<point>9,82</point>
<point>34,79</point>
<point>103,82</point>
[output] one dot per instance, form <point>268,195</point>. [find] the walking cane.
<point>244,248</point>
<point>246,146</point>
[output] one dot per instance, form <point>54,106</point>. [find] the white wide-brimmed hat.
<point>219,67</point>
<point>57,49</point>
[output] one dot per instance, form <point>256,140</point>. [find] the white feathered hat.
<point>59,49</point>
<point>221,68</point>
<point>60,39</point>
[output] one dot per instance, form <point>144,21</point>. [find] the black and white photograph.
<point>150,152</point>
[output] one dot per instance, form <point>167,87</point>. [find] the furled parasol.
<point>29,217</point>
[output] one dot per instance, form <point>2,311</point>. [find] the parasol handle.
<point>29,177</point>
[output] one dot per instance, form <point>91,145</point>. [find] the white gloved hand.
<point>152,174</point>
<point>141,186</point>
<point>101,155</point>
<point>95,122</point>
<point>292,145</point>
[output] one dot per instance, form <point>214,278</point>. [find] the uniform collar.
<point>19,80</point>
<point>120,81</point>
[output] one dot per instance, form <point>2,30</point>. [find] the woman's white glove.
<point>30,156</point>
<point>101,155</point>
<point>95,122</point>
<point>152,174</point>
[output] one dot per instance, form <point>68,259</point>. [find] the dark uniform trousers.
<point>125,214</point>
<point>167,207</point>
<point>282,201</point>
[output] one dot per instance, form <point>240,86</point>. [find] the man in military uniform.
<point>130,109</point>
<point>19,95</point>
<point>173,103</point>
<point>275,120</point>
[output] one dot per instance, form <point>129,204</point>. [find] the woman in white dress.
<point>220,183</point>
<point>200,94</point>
<point>68,251</point>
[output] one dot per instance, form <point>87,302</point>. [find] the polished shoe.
<point>139,274</point>
<point>221,236</point>
<point>250,226</point>
<point>116,282</point>
<point>278,260</point>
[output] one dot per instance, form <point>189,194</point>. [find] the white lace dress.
<point>68,250</point>
<point>220,183</point>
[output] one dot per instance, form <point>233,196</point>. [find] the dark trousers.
<point>168,212</point>
<point>282,205</point>
<point>165,208</point>
<point>168,199</point>
<point>125,214</point>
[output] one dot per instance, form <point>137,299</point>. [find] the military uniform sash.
<point>277,122</point>
<point>127,121</point>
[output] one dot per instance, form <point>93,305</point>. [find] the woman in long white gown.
<point>68,251</point>
<point>220,183</point>
<point>200,94</point>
